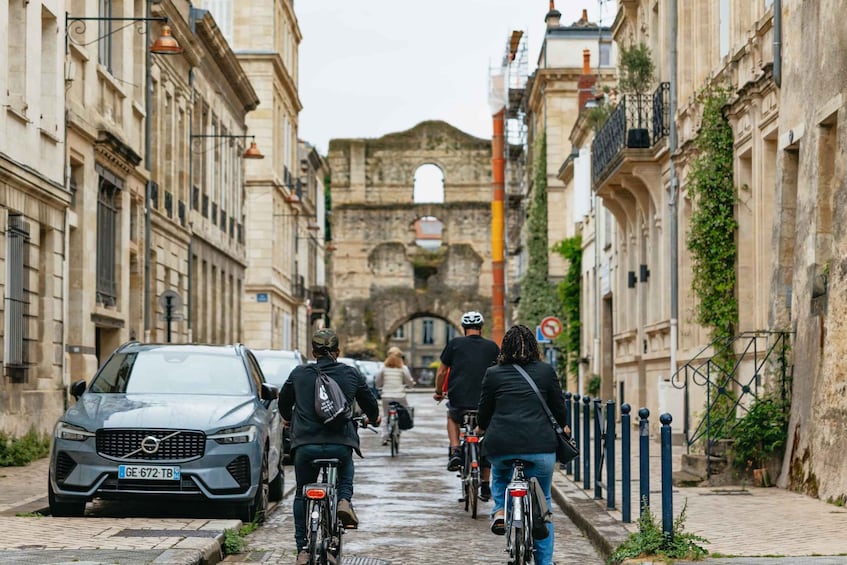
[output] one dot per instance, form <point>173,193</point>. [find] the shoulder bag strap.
<point>531,382</point>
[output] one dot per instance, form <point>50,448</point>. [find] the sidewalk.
<point>739,521</point>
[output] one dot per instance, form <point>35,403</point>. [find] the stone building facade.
<point>34,217</point>
<point>380,277</point>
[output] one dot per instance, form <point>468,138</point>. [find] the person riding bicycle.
<point>516,425</point>
<point>311,439</point>
<point>392,379</point>
<point>466,358</point>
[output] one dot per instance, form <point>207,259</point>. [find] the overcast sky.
<point>372,67</point>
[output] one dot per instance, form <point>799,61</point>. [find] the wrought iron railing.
<point>754,354</point>
<point>638,121</point>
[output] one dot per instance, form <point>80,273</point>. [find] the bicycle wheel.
<point>393,433</point>
<point>473,487</point>
<point>318,534</point>
<point>526,532</point>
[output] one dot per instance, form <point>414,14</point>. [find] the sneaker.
<point>303,557</point>
<point>455,462</point>
<point>485,492</point>
<point>347,515</point>
<point>498,523</point>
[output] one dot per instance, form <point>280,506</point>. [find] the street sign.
<point>261,297</point>
<point>539,337</point>
<point>171,303</point>
<point>551,326</point>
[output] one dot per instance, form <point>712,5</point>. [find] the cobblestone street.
<point>409,510</point>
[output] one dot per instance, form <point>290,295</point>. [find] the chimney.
<point>585,83</point>
<point>584,18</point>
<point>553,17</point>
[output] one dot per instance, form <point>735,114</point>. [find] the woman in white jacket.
<point>392,380</point>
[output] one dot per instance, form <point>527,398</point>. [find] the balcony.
<point>638,122</point>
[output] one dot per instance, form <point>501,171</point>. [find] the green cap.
<point>325,338</point>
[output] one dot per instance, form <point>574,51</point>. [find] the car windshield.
<point>168,371</point>
<point>276,369</point>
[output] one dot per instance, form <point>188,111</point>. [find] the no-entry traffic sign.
<point>551,326</point>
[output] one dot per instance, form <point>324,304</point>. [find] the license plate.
<point>148,472</point>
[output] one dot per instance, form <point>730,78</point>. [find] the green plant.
<point>538,298</point>
<point>594,385</point>
<point>761,434</point>
<point>29,515</point>
<point>16,452</point>
<point>570,295</point>
<point>651,541</point>
<point>233,541</point>
<point>636,68</point>
<point>597,116</point>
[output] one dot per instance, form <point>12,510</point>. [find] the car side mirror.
<point>269,392</point>
<point>77,389</point>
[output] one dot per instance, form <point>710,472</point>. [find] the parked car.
<point>276,365</point>
<point>355,364</point>
<point>370,369</point>
<point>170,420</point>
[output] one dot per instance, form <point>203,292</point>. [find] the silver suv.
<point>170,420</point>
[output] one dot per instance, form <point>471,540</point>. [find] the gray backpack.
<point>331,405</point>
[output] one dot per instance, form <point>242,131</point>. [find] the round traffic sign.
<point>551,326</point>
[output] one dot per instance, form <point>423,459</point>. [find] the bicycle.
<point>393,429</point>
<point>469,472</point>
<point>324,532</point>
<point>518,514</point>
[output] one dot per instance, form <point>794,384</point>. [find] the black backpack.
<point>331,405</point>
<point>404,416</point>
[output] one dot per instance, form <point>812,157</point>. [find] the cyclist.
<point>466,358</point>
<point>392,379</point>
<point>516,425</point>
<point>311,439</point>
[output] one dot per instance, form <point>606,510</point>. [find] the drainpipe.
<point>498,164</point>
<point>148,133</point>
<point>673,197</point>
<point>191,280</point>
<point>777,42</point>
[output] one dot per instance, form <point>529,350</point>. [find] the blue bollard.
<point>577,470</point>
<point>568,419</point>
<point>667,477</point>
<point>626,471</point>
<point>610,454</point>
<point>598,449</point>
<point>586,436</point>
<point>643,460</point>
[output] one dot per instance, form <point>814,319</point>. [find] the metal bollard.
<point>598,449</point>
<point>626,471</point>
<point>586,436</point>
<point>569,465</point>
<point>577,471</point>
<point>643,460</point>
<point>610,454</point>
<point>667,477</point>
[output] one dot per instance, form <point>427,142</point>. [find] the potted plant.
<point>760,436</point>
<point>637,69</point>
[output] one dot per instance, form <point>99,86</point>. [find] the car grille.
<point>113,485</point>
<point>64,466</point>
<point>239,468</point>
<point>179,446</point>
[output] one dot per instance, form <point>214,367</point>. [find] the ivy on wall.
<point>538,296</point>
<point>570,292</point>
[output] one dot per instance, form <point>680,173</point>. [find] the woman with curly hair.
<point>516,425</point>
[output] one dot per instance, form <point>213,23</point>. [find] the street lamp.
<point>252,152</point>
<point>165,44</point>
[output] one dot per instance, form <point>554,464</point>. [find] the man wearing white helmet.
<point>466,359</point>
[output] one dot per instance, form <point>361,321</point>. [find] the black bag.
<point>331,405</point>
<point>566,450</point>
<point>541,514</point>
<point>404,416</point>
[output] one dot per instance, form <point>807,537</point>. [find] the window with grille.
<point>428,332</point>
<point>107,231</point>
<point>16,304</point>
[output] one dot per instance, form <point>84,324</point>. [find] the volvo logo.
<point>150,445</point>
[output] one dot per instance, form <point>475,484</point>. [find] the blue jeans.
<point>542,469</point>
<point>305,473</point>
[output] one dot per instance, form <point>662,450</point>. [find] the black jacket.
<point>511,413</point>
<point>298,398</point>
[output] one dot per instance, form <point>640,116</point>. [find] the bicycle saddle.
<point>328,462</point>
<point>526,464</point>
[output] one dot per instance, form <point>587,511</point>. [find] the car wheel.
<point>255,509</point>
<point>277,486</point>
<point>63,509</point>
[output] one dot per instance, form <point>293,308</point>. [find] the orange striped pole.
<point>498,221</point>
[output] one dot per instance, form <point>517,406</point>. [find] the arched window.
<point>428,232</point>
<point>429,184</point>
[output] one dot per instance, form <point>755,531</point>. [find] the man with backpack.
<point>312,438</point>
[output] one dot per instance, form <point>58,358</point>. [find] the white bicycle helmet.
<point>472,319</point>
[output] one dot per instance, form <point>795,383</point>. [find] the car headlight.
<point>65,430</point>
<point>243,434</point>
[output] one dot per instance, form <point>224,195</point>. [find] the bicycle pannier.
<point>566,449</point>
<point>331,405</point>
<point>404,416</point>
<point>541,515</point>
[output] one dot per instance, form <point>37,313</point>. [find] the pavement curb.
<point>604,531</point>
